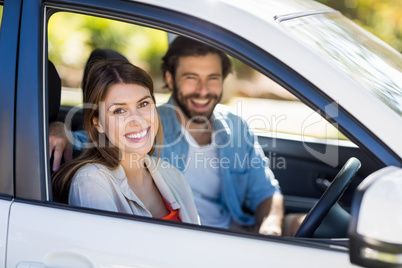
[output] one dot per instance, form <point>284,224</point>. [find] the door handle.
<point>322,183</point>
<point>61,258</point>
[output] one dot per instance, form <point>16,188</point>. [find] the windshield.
<point>359,54</point>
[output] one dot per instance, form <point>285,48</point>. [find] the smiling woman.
<point>116,172</point>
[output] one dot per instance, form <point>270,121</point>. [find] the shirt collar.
<point>118,175</point>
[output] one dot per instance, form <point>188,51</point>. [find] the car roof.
<point>250,18</point>
<point>267,10</point>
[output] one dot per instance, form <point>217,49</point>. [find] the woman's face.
<point>128,116</point>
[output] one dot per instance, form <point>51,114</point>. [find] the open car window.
<point>305,150</point>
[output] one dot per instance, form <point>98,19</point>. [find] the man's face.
<point>197,86</point>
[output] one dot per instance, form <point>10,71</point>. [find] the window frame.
<point>8,73</point>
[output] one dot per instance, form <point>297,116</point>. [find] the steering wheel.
<point>331,195</point>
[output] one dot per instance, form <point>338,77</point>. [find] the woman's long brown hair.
<point>102,75</point>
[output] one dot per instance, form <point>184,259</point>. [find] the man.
<point>216,151</point>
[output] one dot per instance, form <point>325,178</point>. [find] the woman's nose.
<point>135,119</point>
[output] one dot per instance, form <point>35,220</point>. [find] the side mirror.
<point>375,230</point>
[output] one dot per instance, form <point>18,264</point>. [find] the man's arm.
<point>269,215</point>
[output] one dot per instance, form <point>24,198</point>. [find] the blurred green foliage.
<point>383,18</point>
<point>72,37</point>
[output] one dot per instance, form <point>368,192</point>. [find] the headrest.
<point>99,54</point>
<point>53,91</point>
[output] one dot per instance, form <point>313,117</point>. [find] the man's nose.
<point>203,87</point>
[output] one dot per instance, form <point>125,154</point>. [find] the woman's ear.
<point>169,79</point>
<point>97,125</point>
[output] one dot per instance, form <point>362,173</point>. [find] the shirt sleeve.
<point>91,190</point>
<point>262,183</point>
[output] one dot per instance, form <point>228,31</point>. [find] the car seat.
<point>53,91</point>
<point>77,122</point>
<point>99,54</point>
<point>53,95</point>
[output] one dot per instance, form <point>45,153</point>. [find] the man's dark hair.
<point>182,47</point>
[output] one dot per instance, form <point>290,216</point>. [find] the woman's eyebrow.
<point>115,104</point>
<point>123,103</point>
<point>146,97</point>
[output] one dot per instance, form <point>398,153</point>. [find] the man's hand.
<point>269,215</point>
<point>59,144</point>
<point>271,226</point>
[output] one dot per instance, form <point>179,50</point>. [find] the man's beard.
<point>198,118</point>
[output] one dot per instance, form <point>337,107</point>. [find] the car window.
<point>270,110</point>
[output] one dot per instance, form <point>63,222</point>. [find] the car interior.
<point>302,176</point>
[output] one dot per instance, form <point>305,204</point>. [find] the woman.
<point>117,172</point>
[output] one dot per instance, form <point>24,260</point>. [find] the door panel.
<point>301,177</point>
<point>56,237</point>
<point>4,209</point>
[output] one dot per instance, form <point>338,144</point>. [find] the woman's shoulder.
<point>89,169</point>
<point>93,170</point>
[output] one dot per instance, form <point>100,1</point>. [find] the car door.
<point>42,233</point>
<point>8,55</point>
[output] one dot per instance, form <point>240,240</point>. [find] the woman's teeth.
<point>138,135</point>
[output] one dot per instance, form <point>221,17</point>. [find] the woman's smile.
<point>138,136</point>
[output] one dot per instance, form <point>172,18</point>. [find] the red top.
<point>173,214</point>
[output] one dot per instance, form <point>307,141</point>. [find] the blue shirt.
<point>80,139</point>
<point>246,177</point>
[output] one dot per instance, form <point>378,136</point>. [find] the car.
<point>339,71</point>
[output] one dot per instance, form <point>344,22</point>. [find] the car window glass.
<point>375,65</point>
<point>272,110</point>
<point>268,108</point>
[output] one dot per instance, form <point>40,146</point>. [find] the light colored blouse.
<point>96,186</point>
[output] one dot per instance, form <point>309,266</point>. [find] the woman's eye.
<point>143,104</point>
<point>118,111</point>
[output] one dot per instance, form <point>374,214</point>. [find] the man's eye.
<point>118,111</point>
<point>143,104</point>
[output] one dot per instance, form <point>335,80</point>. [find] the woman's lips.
<point>138,136</point>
